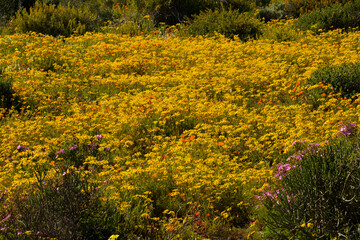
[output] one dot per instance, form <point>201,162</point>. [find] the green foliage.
<point>55,20</point>
<point>67,207</point>
<point>274,11</point>
<point>280,30</point>
<point>174,11</point>
<point>343,79</point>
<point>7,94</point>
<point>262,3</point>
<point>66,204</point>
<point>296,8</point>
<point>227,22</point>
<point>9,8</point>
<point>125,20</point>
<point>318,196</point>
<point>331,17</point>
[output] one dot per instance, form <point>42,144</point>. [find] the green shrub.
<point>274,11</point>
<point>9,8</point>
<point>126,20</point>
<point>68,207</point>
<point>55,20</point>
<point>318,192</point>
<point>64,204</point>
<point>7,94</point>
<point>331,17</point>
<point>262,3</point>
<point>227,22</point>
<point>281,30</point>
<point>296,8</point>
<point>343,79</point>
<point>174,11</point>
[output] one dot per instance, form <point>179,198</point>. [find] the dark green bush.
<point>103,9</point>
<point>227,22</point>
<point>174,11</point>
<point>274,11</point>
<point>55,20</point>
<point>67,208</point>
<point>8,99</point>
<point>262,3</point>
<point>335,16</point>
<point>344,79</point>
<point>296,8</point>
<point>9,8</point>
<point>66,205</point>
<point>318,194</point>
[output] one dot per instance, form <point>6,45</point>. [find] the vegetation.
<point>296,8</point>
<point>342,16</point>
<point>55,20</point>
<point>343,79</point>
<point>318,187</point>
<point>227,22</point>
<point>116,124</point>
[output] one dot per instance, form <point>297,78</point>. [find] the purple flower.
<point>347,130</point>
<point>20,148</point>
<point>93,146</point>
<point>107,149</point>
<point>6,218</point>
<point>61,151</point>
<point>74,147</point>
<point>282,169</point>
<point>297,157</point>
<point>299,141</point>
<point>99,137</point>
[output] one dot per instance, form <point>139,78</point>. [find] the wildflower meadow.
<point>162,136</point>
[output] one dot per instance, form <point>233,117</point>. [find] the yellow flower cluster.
<point>181,120</point>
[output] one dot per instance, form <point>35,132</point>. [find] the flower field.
<point>158,137</point>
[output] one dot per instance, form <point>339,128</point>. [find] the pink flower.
<point>6,218</point>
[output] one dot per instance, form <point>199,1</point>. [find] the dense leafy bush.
<point>344,79</point>
<point>67,207</point>
<point>295,8</point>
<point>262,3</point>
<point>274,11</point>
<point>125,20</point>
<point>65,204</point>
<point>281,30</point>
<point>102,8</point>
<point>227,22</point>
<point>331,17</point>
<point>7,94</point>
<point>9,8</point>
<point>55,20</point>
<point>318,193</point>
<point>172,12</point>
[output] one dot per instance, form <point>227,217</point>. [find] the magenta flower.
<point>20,148</point>
<point>282,169</point>
<point>6,218</point>
<point>99,137</point>
<point>347,130</point>
<point>61,151</point>
<point>74,147</point>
